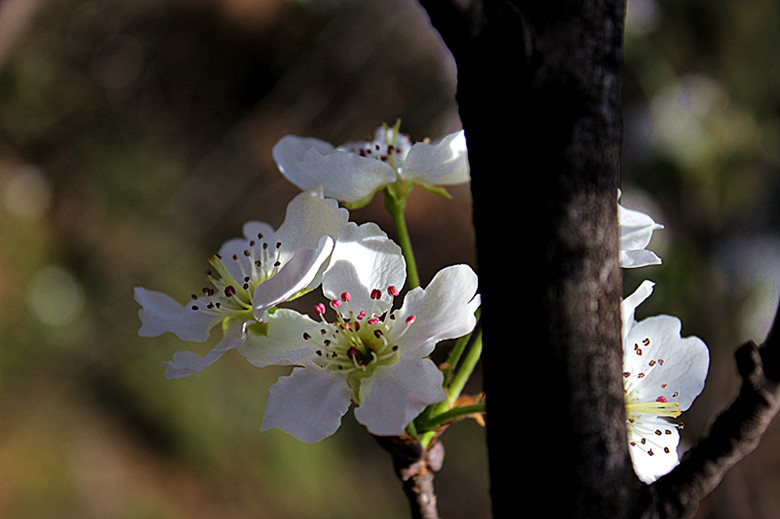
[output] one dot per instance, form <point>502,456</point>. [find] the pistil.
<point>356,343</point>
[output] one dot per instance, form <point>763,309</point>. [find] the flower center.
<point>644,429</point>
<point>233,279</point>
<point>357,342</point>
<point>389,148</point>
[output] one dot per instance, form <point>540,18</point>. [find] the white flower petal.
<point>649,467</point>
<point>636,228</point>
<point>160,313</point>
<point>638,258</point>
<point>252,229</point>
<point>636,231</point>
<point>186,363</point>
<point>296,275</point>
<point>395,395</point>
<point>443,310</point>
<point>348,177</point>
<point>288,153</point>
<point>675,368</point>
<point>629,304</point>
<point>363,259</point>
<point>442,162</point>
<point>309,216</point>
<point>309,163</point>
<point>308,404</point>
<point>282,344</point>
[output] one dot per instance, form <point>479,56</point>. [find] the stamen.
<point>659,408</point>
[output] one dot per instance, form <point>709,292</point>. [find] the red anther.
<point>230,291</point>
<point>320,309</point>
<point>361,315</point>
<point>335,303</point>
<point>410,319</point>
<point>661,399</point>
<point>373,320</point>
<point>353,352</point>
<point>346,297</point>
<point>356,325</point>
<point>392,290</point>
<point>376,294</point>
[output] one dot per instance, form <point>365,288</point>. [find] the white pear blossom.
<point>247,278</point>
<point>662,375</point>
<point>636,231</point>
<point>368,354</point>
<point>354,171</point>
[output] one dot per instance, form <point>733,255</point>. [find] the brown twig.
<point>415,467</point>
<point>734,434</point>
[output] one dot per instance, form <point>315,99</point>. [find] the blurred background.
<point>135,138</point>
<point>701,155</point>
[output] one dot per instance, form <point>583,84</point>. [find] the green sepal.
<point>436,190</point>
<point>227,321</point>
<point>302,292</point>
<point>360,203</point>
<point>399,189</point>
<point>258,329</point>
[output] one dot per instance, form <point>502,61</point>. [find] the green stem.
<point>433,414</point>
<point>461,344</point>
<point>453,414</point>
<point>463,374</point>
<point>395,206</point>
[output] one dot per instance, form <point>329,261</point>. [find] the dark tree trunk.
<point>539,94</point>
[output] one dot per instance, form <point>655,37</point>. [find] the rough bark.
<point>539,98</point>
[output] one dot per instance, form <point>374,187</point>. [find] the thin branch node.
<point>749,364</point>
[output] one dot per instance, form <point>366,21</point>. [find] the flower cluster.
<point>662,372</point>
<point>358,346</point>
<point>364,343</point>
